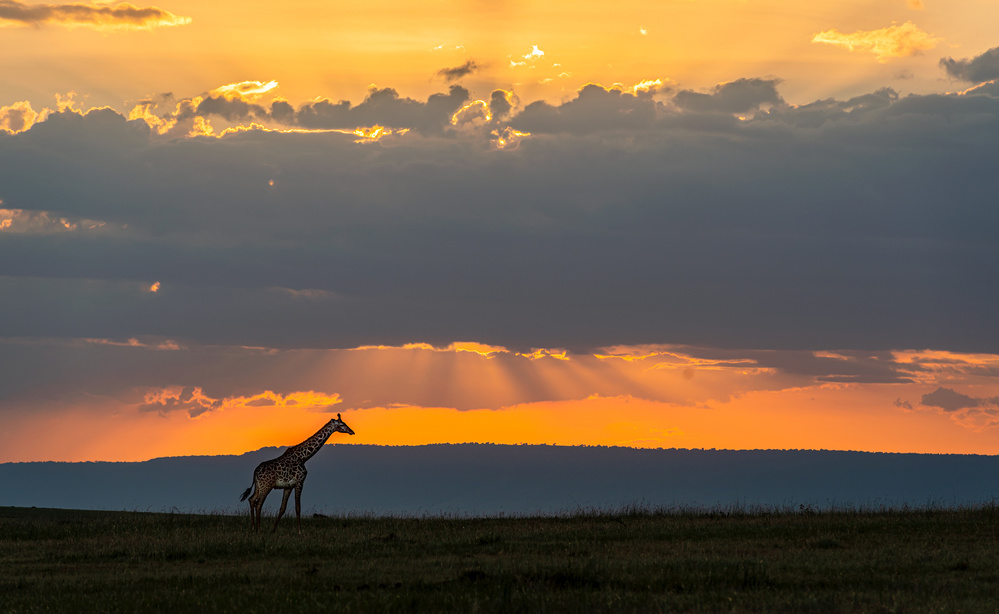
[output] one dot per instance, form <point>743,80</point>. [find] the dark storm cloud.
<point>457,72</point>
<point>625,219</point>
<point>981,68</point>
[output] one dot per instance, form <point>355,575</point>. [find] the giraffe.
<point>287,472</point>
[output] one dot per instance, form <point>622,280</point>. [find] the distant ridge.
<point>488,479</point>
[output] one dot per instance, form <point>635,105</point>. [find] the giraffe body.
<point>288,473</point>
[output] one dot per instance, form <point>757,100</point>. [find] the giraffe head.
<point>341,426</point>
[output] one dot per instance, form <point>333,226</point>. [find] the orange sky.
<point>107,395</point>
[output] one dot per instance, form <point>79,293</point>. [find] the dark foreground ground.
<point>787,561</point>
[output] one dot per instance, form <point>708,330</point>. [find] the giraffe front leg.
<point>298,504</point>
<point>284,504</point>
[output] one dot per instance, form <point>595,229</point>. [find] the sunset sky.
<point>728,224</point>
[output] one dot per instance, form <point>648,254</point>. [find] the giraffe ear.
<point>338,416</point>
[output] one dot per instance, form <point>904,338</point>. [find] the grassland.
<point>641,561</point>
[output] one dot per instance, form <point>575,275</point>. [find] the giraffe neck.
<point>308,448</point>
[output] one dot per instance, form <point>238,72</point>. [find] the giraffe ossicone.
<point>288,472</point>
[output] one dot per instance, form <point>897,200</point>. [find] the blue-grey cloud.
<point>981,68</point>
<point>384,107</point>
<point>500,104</point>
<point>458,72</point>
<point>102,16</point>
<point>594,109</point>
<point>951,400</point>
<point>232,109</point>
<point>625,218</point>
<point>740,96</point>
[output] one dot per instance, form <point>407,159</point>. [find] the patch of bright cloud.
<point>886,43</point>
<point>132,342</point>
<point>43,222</point>
<point>528,58</point>
<point>122,16</point>
<point>649,85</point>
<point>144,111</point>
<point>534,54</point>
<point>476,110</point>
<point>916,5</point>
<point>196,402</point>
<point>538,353</point>
<point>507,138</point>
<point>201,127</point>
<point>67,102</point>
<point>155,287</point>
<point>245,89</point>
<point>482,349</point>
<point>17,117</point>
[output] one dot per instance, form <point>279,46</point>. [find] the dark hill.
<point>494,479</point>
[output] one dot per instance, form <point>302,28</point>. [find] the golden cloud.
<point>17,117</point>
<point>122,16</point>
<point>195,402</point>
<point>245,89</point>
<point>892,42</point>
<point>24,221</point>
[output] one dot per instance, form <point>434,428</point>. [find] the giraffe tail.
<point>246,493</point>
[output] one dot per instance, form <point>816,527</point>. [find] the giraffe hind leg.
<point>257,507</point>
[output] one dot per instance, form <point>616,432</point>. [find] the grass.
<point>932,560</point>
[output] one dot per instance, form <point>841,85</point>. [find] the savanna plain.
<point>633,560</point>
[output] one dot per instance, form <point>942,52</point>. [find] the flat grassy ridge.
<point>933,560</point>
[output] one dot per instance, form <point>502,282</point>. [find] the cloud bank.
<point>724,218</point>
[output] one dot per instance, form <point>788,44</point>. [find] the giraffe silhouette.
<point>288,472</point>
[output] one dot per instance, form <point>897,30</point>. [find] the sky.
<point>731,224</point>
